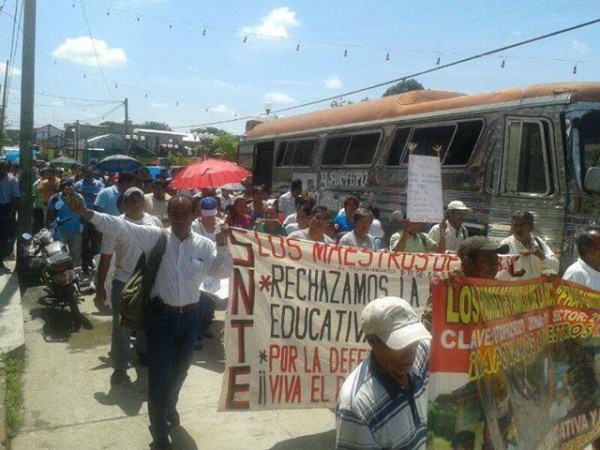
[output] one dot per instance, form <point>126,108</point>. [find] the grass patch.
<point>12,369</point>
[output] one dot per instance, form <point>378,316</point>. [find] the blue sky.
<point>172,73</point>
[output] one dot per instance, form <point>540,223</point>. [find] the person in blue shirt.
<point>344,220</point>
<point>89,187</point>
<point>106,200</point>
<point>69,223</point>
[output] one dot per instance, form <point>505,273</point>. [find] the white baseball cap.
<point>394,322</point>
<point>458,205</point>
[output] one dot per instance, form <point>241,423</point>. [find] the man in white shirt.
<point>156,201</point>
<point>535,256</point>
<point>302,219</point>
<point>359,237</point>
<point>171,317</point>
<point>455,232</point>
<point>586,270</point>
<point>126,256</point>
<point>317,226</point>
<point>287,202</point>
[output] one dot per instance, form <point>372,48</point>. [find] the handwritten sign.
<point>424,202</point>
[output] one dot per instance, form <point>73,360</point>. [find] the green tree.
<point>226,144</point>
<point>340,102</point>
<point>153,125</point>
<point>403,86</point>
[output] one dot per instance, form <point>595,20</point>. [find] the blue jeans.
<point>121,337</point>
<point>170,338</point>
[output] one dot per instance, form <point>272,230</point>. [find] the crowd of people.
<point>121,216</point>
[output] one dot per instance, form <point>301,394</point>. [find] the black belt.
<point>157,302</point>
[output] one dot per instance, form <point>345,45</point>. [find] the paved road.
<point>70,404</point>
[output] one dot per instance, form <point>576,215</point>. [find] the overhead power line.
<point>413,75</point>
<point>87,24</point>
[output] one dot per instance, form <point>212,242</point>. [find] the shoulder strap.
<point>154,262</point>
<point>538,241</point>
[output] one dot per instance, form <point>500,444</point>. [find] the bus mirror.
<point>592,180</point>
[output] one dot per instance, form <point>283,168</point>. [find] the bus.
<point>535,148</point>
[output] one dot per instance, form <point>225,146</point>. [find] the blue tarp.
<point>14,156</point>
<point>155,170</point>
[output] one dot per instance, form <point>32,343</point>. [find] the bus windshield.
<point>589,132</point>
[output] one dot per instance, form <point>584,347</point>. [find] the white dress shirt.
<point>184,265</point>
<point>581,273</point>
<point>531,264</point>
<point>454,237</point>
<point>287,204</point>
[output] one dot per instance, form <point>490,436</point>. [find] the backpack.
<point>136,292</point>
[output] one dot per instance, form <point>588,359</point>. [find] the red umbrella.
<point>210,173</point>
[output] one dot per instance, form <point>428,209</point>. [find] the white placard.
<point>424,202</point>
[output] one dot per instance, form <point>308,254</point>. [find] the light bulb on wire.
<point>298,47</point>
<point>575,69</point>
<point>387,56</point>
<point>503,64</point>
<point>245,39</point>
<point>438,61</point>
<point>345,53</point>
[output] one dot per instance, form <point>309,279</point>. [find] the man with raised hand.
<point>171,318</point>
<point>452,229</point>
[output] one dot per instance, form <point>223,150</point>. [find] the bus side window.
<point>527,162</point>
<point>397,147</point>
<point>351,150</point>
<point>426,139</point>
<point>296,153</point>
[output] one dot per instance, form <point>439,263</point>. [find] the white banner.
<point>293,326</point>
<point>424,198</point>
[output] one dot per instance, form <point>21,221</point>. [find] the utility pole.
<point>77,140</point>
<point>3,107</point>
<point>27,106</point>
<point>126,103</point>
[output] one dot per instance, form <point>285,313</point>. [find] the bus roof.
<point>418,102</point>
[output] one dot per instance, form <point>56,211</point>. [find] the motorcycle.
<point>47,259</point>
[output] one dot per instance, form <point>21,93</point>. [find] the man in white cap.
<point>455,232</point>
<point>383,402</point>
<point>126,255</point>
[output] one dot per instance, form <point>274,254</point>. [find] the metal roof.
<point>420,102</point>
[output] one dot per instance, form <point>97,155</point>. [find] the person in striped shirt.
<point>383,402</point>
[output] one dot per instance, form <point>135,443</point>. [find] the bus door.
<point>263,163</point>
<point>524,176</point>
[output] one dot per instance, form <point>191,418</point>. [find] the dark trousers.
<point>38,219</point>
<point>89,245</point>
<point>170,338</point>
<point>8,230</point>
<point>206,311</point>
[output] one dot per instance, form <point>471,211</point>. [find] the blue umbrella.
<point>119,163</point>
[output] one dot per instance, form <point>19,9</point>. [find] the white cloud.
<point>223,110</point>
<point>81,51</point>
<point>16,71</point>
<point>580,47</point>
<point>159,105</point>
<point>333,82</point>
<point>276,24</point>
<point>279,97</point>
